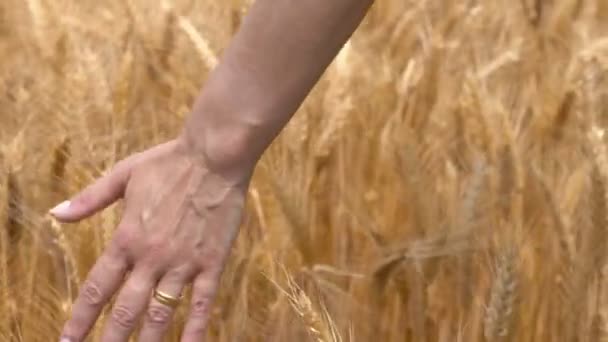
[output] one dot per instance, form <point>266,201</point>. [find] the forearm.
<point>274,60</point>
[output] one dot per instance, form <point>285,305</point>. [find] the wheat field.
<point>446,180</point>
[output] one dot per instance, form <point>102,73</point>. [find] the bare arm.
<point>269,68</point>
<point>184,199</point>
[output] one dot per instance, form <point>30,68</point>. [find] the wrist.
<point>223,147</point>
<point>235,118</point>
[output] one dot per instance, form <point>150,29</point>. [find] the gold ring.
<point>166,299</point>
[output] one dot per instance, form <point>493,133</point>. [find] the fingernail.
<point>65,339</point>
<point>61,209</point>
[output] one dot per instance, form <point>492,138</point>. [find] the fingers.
<point>203,293</point>
<point>97,196</point>
<point>103,281</point>
<point>159,315</point>
<point>130,304</point>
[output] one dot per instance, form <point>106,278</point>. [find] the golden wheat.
<point>445,180</point>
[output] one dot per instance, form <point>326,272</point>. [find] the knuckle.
<point>158,257</point>
<point>213,268</point>
<point>212,255</point>
<point>124,238</point>
<point>201,307</point>
<point>117,174</point>
<point>158,315</point>
<point>124,317</point>
<point>210,259</point>
<point>157,245</point>
<point>91,293</point>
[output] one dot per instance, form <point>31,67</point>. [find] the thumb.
<point>97,196</point>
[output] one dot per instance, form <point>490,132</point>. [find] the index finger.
<point>102,282</point>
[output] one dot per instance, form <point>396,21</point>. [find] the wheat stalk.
<point>320,326</point>
<point>202,46</point>
<point>6,305</point>
<point>498,319</point>
<point>295,210</point>
<point>14,223</point>
<point>61,155</point>
<point>67,256</point>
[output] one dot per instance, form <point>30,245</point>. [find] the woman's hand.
<point>180,219</point>
<point>182,210</point>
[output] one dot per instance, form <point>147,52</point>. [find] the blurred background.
<point>446,180</point>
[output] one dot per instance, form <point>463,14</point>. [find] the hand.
<point>180,219</point>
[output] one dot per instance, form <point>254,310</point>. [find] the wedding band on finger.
<point>167,299</point>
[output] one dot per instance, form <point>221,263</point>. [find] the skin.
<point>184,199</point>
